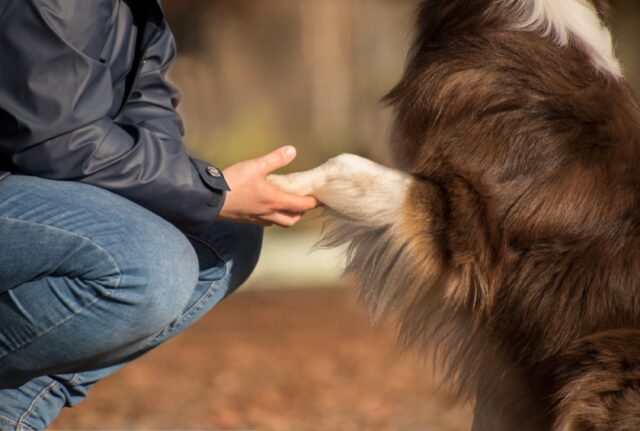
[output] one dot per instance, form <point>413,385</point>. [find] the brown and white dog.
<point>508,240</point>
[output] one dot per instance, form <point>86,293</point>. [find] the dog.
<point>506,239</point>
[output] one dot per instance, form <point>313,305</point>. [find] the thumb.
<point>276,159</point>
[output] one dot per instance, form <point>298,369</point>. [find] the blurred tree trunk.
<point>327,50</point>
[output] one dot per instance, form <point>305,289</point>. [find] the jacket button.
<point>214,172</point>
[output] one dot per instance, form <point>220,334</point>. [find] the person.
<point>112,238</point>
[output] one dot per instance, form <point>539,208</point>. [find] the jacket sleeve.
<point>55,103</point>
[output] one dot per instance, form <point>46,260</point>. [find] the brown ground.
<point>300,360</point>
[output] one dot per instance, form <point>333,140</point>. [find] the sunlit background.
<point>293,352</point>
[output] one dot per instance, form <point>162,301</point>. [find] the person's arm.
<point>153,101</point>
<point>56,95</point>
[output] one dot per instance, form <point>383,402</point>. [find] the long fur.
<point>513,251</point>
<point>519,230</point>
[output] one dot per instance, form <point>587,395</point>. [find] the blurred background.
<point>293,350</point>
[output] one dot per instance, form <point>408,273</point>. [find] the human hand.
<point>254,200</point>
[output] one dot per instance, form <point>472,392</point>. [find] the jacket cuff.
<point>213,180</point>
<point>210,175</point>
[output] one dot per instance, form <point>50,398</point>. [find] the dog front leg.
<point>353,187</point>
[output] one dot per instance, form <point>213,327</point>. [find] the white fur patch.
<point>567,20</point>
<point>354,187</point>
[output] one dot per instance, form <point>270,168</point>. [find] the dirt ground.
<point>294,360</point>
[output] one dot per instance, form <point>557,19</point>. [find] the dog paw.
<point>297,183</point>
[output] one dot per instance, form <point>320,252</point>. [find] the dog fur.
<point>507,241</point>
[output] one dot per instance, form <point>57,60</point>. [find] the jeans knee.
<point>164,278</point>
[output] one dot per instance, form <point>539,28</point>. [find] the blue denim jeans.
<point>90,281</point>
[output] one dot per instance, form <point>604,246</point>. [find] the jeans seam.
<point>86,306</point>
<point>22,421</point>
<point>8,421</point>
<point>75,379</point>
<point>32,407</point>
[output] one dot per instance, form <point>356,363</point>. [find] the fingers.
<point>293,203</point>
<point>282,219</point>
<point>276,159</point>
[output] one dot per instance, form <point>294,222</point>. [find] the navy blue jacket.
<point>84,97</point>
